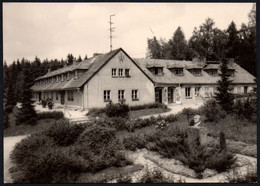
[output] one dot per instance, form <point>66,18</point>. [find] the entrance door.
<point>158,94</point>
<point>171,95</point>
<point>40,96</point>
<point>62,96</point>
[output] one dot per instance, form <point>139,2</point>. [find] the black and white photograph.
<point>102,92</point>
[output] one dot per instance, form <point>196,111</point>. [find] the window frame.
<point>188,93</point>
<point>120,72</point>
<point>135,95</point>
<point>127,72</point>
<point>114,72</point>
<point>106,95</point>
<point>206,92</point>
<point>70,95</point>
<point>75,74</point>
<point>121,95</point>
<point>178,71</point>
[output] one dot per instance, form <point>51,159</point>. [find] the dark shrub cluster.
<point>96,112</point>
<point>64,134</point>
<point>61,153</point>
<point>9,108</point>
<point>246,108</point>
<point>148,106</point>
<point>133,142</point>
<point>213,111</point>
<point>154,176</point>
<point>117,123</point>
<point>117,110</point>
<point>50,115</point>
<point>6,120</point>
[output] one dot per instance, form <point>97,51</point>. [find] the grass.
<point>145,112</point>
<point>17,130</point>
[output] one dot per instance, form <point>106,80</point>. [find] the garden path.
<point>140,157</point>
<point>9,143</point>
<point>175,109</point>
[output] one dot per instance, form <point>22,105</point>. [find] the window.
<point>135,95</point>
<point>245,89</point>
<point>106,95</point>
<point>120,72</point>
<point>231,72</point>
<point>239,90</point>
<point>62,77</point>
<point>68,76</point>
<point>113,72</point>
<point>206,92</point>
<point>178,71</point>
<point>127,72</point>
<point>187,92</point>
<point>158,71</point>
<point>197,91</point>
<point>57,95</point>
<point>197,72</point>
<point>75,74</point>
<point>70,95</point>
<point>121,94</point>
<point>213,72</point>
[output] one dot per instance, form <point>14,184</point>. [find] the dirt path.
<point>9,143</point>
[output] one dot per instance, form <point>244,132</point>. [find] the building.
<point>115,76</point>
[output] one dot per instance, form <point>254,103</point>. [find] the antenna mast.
<point>111,30</point>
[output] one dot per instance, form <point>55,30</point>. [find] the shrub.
<point>116,110</point>
<point>64,134</point>
<point>50,115</point>
<point>96,112</point>
<point>44,103</point>
<point>154,176</point>
<point>124,179</point>
<point>249,177</point>
<point>222,141</point>
<point>188,112</point>
<point>133,142</point>
<point>117,123</point>
<point>213,111</point>
<point>148,106</point>
<point>6,120</point>
<point>38,160</point>
<point>101,148</point>
<point>9,108</point>
<point>246,108</point>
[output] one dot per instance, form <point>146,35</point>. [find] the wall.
<point>103,80</point>
<point>77,99</point>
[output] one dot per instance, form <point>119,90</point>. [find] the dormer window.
<point>197,72</point>
<point>213,72</point>
<point>158,71</point>
<point>231,72</point>
<point>178,71</point>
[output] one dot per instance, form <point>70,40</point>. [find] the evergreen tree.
<point>79,59</point>
<point>224,96</point>
<point>178,45</point>
<point>11,98</point>
<point>233,41</point>
<point>70,59</point>
<point>86,57</point>
<point>27,113</point>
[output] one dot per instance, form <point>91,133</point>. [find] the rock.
<point>209,173</point>
<point>197,133</point>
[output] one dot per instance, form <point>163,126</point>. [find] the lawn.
<point>145,112</point>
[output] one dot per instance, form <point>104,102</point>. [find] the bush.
<point>148,106</point>
<point>124,179</point>
<point>246,108</point>
<point>50,115</point>
<point>117,123</point>
<point>249,177</point>
<point>63,133</point>
<point>9,108</point>
<point>154,176</point>
<point>44,103</point>
<point>133,142</point>
<point>38,160</point>
<point>6,120</point>
<point>213,111</point>
<point>117,110</point>
<point>101,148</point>
<point>95,112</point>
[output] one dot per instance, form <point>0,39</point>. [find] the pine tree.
<point>224,96</point>
<point>86,57</point>
<point>79,59</point>
<point>27,113</point>
<point>11,98</point>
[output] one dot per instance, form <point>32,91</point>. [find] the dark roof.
<point>92,64</point>
<point>241,75</point>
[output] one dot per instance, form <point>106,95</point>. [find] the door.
<point>40,96</point>
<point>171,95</point>
<point>62,97</point>
<point>158,95</point>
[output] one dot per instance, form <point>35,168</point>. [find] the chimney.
<point>96,54</point>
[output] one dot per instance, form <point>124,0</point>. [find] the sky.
<point>52,30</point>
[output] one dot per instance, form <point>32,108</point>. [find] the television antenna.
<point>111,29</point>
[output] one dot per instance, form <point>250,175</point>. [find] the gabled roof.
<point>241,75</point>
<point>92,64</point>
